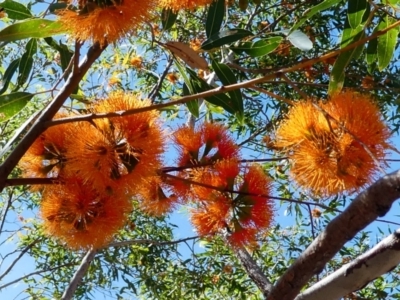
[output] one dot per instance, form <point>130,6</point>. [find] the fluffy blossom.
<point>105,21</point>
<point>176,5</point>
<point>330,145</point>
<point>80,216</point>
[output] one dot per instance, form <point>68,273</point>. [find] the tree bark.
<point>372,203</point>
<point>355,275</point>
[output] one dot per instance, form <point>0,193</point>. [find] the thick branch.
<point>353,276</point>
<point>80,272</point>
<point>48,113</point>
<point>253,270</point>
<point>374,202</point>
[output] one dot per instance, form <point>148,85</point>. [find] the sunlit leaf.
<point>36,28</point>
<point>225,37</point>
<point>11,104</point>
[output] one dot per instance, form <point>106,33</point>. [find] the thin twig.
<point>150,242</point>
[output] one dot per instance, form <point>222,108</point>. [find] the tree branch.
<point>223,89</point>
<point>355,275</point>
<point>48,113</point>
<point>253,270</point>
<point>372,203</point>
<point>80,272</point>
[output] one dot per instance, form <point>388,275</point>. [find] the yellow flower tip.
<point>172,77</point>
<point>105,23</point>
<point>335,152</point>
<point>176,5</point>
<point>82,217</point>
<point>136,62</point>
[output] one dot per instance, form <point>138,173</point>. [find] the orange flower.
<point>242,236</point>
<point>154,200</point>
<point>136,62</point>
<point>255,211</point>
<point>303,122</point>
<point>120,151</point>
<point>47,155</point>
<point>206,144</point>
<point>176,5</point>
<point>333,152</point>
<point>172,77</point>
<point>211,218</point>
<point>188,141</point>
<point>105,21</point>
<point>244,215</point>
<point>80,216</point>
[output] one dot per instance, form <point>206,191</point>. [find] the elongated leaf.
<point>15,10</point>
<point>193,106</point>
<point>8,74</point>
<point>199,85</point>
<point>11,104</point>
<point>371,55</point>
<point>215,17</point>
<point>65,53</point>
<point>168,18</point>
<point>187,54</point>
<point>355,12</point>
<point>26,62</point>
<point>188,89</point>
<point>36,28</point>
<point>227,77</point>
<point>225,37</point>
<point>56,6</point>
<point>338,71</point>
<point>259,48</point>
<point>386,43</point>
<point>314,10</point>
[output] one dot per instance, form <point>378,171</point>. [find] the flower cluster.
<point>106,21</point>
<point>99,165</point>
<point>331,148</point>
<point>176,5</point>
<point>224,197</point>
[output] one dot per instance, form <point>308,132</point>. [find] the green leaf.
<point>65,53</point>
<point>15,10</point>
<point>26,62</point>
<point>355,12</point>
<point>225,37</point>
<point>36,28</point>
<point>337,77</point>
<point>386,43</point>
<point>371,51</point>
<point>11,104</point>
<point>259,48</point>
<point>56,6</point>
<point>227,77</point>
<point>199,85</point>
<point>215,17</point>
<point>168,18</point>
<point>314,10</point>
<point>8,74</point>
<point>187,89</point>
<point>193,106</point>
